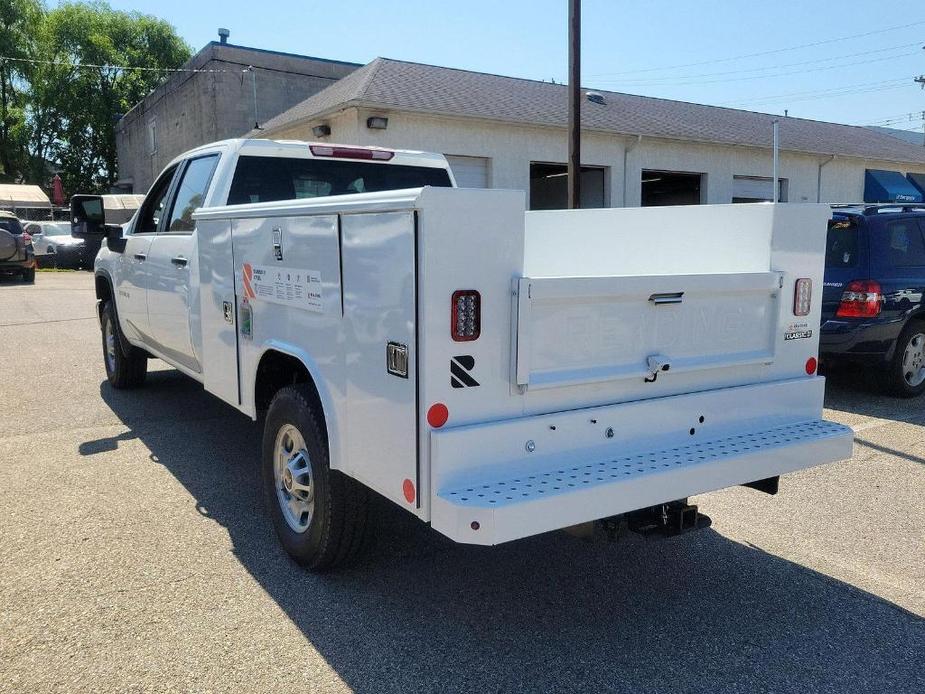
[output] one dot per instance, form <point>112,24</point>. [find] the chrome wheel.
<point>109,339</point>
<point>292,471</point>
<point>913,364</point>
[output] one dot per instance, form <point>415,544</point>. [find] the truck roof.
<point>302,149</point>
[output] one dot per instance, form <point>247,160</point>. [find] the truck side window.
<point>153,207</point>
<point>191,192</point>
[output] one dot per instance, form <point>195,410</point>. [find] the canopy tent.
<point>120,208</point>
<point>889,186</point>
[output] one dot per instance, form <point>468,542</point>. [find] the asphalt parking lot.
<point>135,555</point>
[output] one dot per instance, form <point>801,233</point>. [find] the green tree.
<point>19,22</point>
<point>80,90</point>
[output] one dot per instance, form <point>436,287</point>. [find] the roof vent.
<point>596,98</point>
<point>223,35</point>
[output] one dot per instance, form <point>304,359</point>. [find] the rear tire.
<point>124,370</point>
<point>906,373</point>
<point>28,275</point>
<point>320,515</point>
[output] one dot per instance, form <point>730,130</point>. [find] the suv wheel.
<point>28,275</point>
<point>907,372</point>
<point>124,370</point>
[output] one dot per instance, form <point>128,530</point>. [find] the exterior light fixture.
<point>377,122</point>
<point>321,130</point>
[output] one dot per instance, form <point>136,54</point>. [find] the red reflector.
<point>861,299</point>
<point>465,315</point>
<point>407,489</point>
<point>811,365</point>
<point>350,152</point>
<point>437,415</point>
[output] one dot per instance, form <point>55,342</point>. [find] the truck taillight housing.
<point>802,296</point>
<point>350,152</point>
<point>466,315</point>
<point>861,299</point>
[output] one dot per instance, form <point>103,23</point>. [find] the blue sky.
<point>639,47</point>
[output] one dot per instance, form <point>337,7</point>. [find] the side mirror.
<point>88,219</point>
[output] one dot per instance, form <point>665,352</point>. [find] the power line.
<point>811,94</point>
<point>763,53</point>
<point>126,68</point>
<point>654,80</point>
<point>786,74</point>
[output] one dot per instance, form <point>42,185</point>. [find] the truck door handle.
<point>141,257</point>
<point>179,261</point>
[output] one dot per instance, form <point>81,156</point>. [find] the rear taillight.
<point>466,315</point>
<point>861,299</point>
<point>350,152</point>
<point>802,296</point>
<point>26,238</point>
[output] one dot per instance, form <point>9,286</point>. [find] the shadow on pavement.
<point>700,613</point>
<point>857,390</point>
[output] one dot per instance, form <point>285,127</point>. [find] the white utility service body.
<point>625,358</point>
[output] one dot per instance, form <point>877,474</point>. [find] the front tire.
<point>906,375</point>
<point>320,515</point>
<point>124,370</point>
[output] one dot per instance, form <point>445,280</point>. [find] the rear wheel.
<point>28,275</point>
<point>906,376</point>
<point>123,369</point>
<point>320,515</point>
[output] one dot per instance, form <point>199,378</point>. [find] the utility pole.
<point>574,104</point>
<point>921,80</point>
<point>775,194</point>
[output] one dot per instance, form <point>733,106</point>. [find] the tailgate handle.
<point>666,298</point>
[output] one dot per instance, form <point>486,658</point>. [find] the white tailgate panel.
<point>378,252</point>
<point>573,330</point>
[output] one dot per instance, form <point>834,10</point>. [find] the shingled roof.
<point>395,84</point>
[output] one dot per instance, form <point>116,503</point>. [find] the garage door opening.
<point>549,186</point>
<point>469,172</point>
<point>671,188</point>
<point>757,189</point>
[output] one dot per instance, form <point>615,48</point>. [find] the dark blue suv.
<point>873,298</point>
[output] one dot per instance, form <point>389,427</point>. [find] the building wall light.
<point>377,122</point>
<point>321,130</point>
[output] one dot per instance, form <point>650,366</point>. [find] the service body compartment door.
<point>579,330</point>
<point>217,310</point>
<point>378,255</point>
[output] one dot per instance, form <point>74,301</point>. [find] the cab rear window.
<point>841,246</point>
<point>268,179</point>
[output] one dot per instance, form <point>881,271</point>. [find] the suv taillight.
<point>861,299</point>
<point>466,315</point>
<point>26,238</point>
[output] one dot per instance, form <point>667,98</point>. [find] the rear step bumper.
<point>499,505</point>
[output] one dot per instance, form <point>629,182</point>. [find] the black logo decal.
<point>459,372</point>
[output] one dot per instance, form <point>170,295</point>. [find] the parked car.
<point>16,253</point>
<point>55,247</point>
<point>873,313</point>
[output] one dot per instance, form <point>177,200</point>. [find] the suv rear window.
<point>903,245</point>
<point>11,225</point>
<point>266,179</point>
<point>841,245</point>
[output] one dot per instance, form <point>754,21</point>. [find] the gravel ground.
<point>135,555</point>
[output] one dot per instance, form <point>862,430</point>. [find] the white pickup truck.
<point>496,373</point>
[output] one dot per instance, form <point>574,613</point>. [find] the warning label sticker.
<point>284,286</point>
